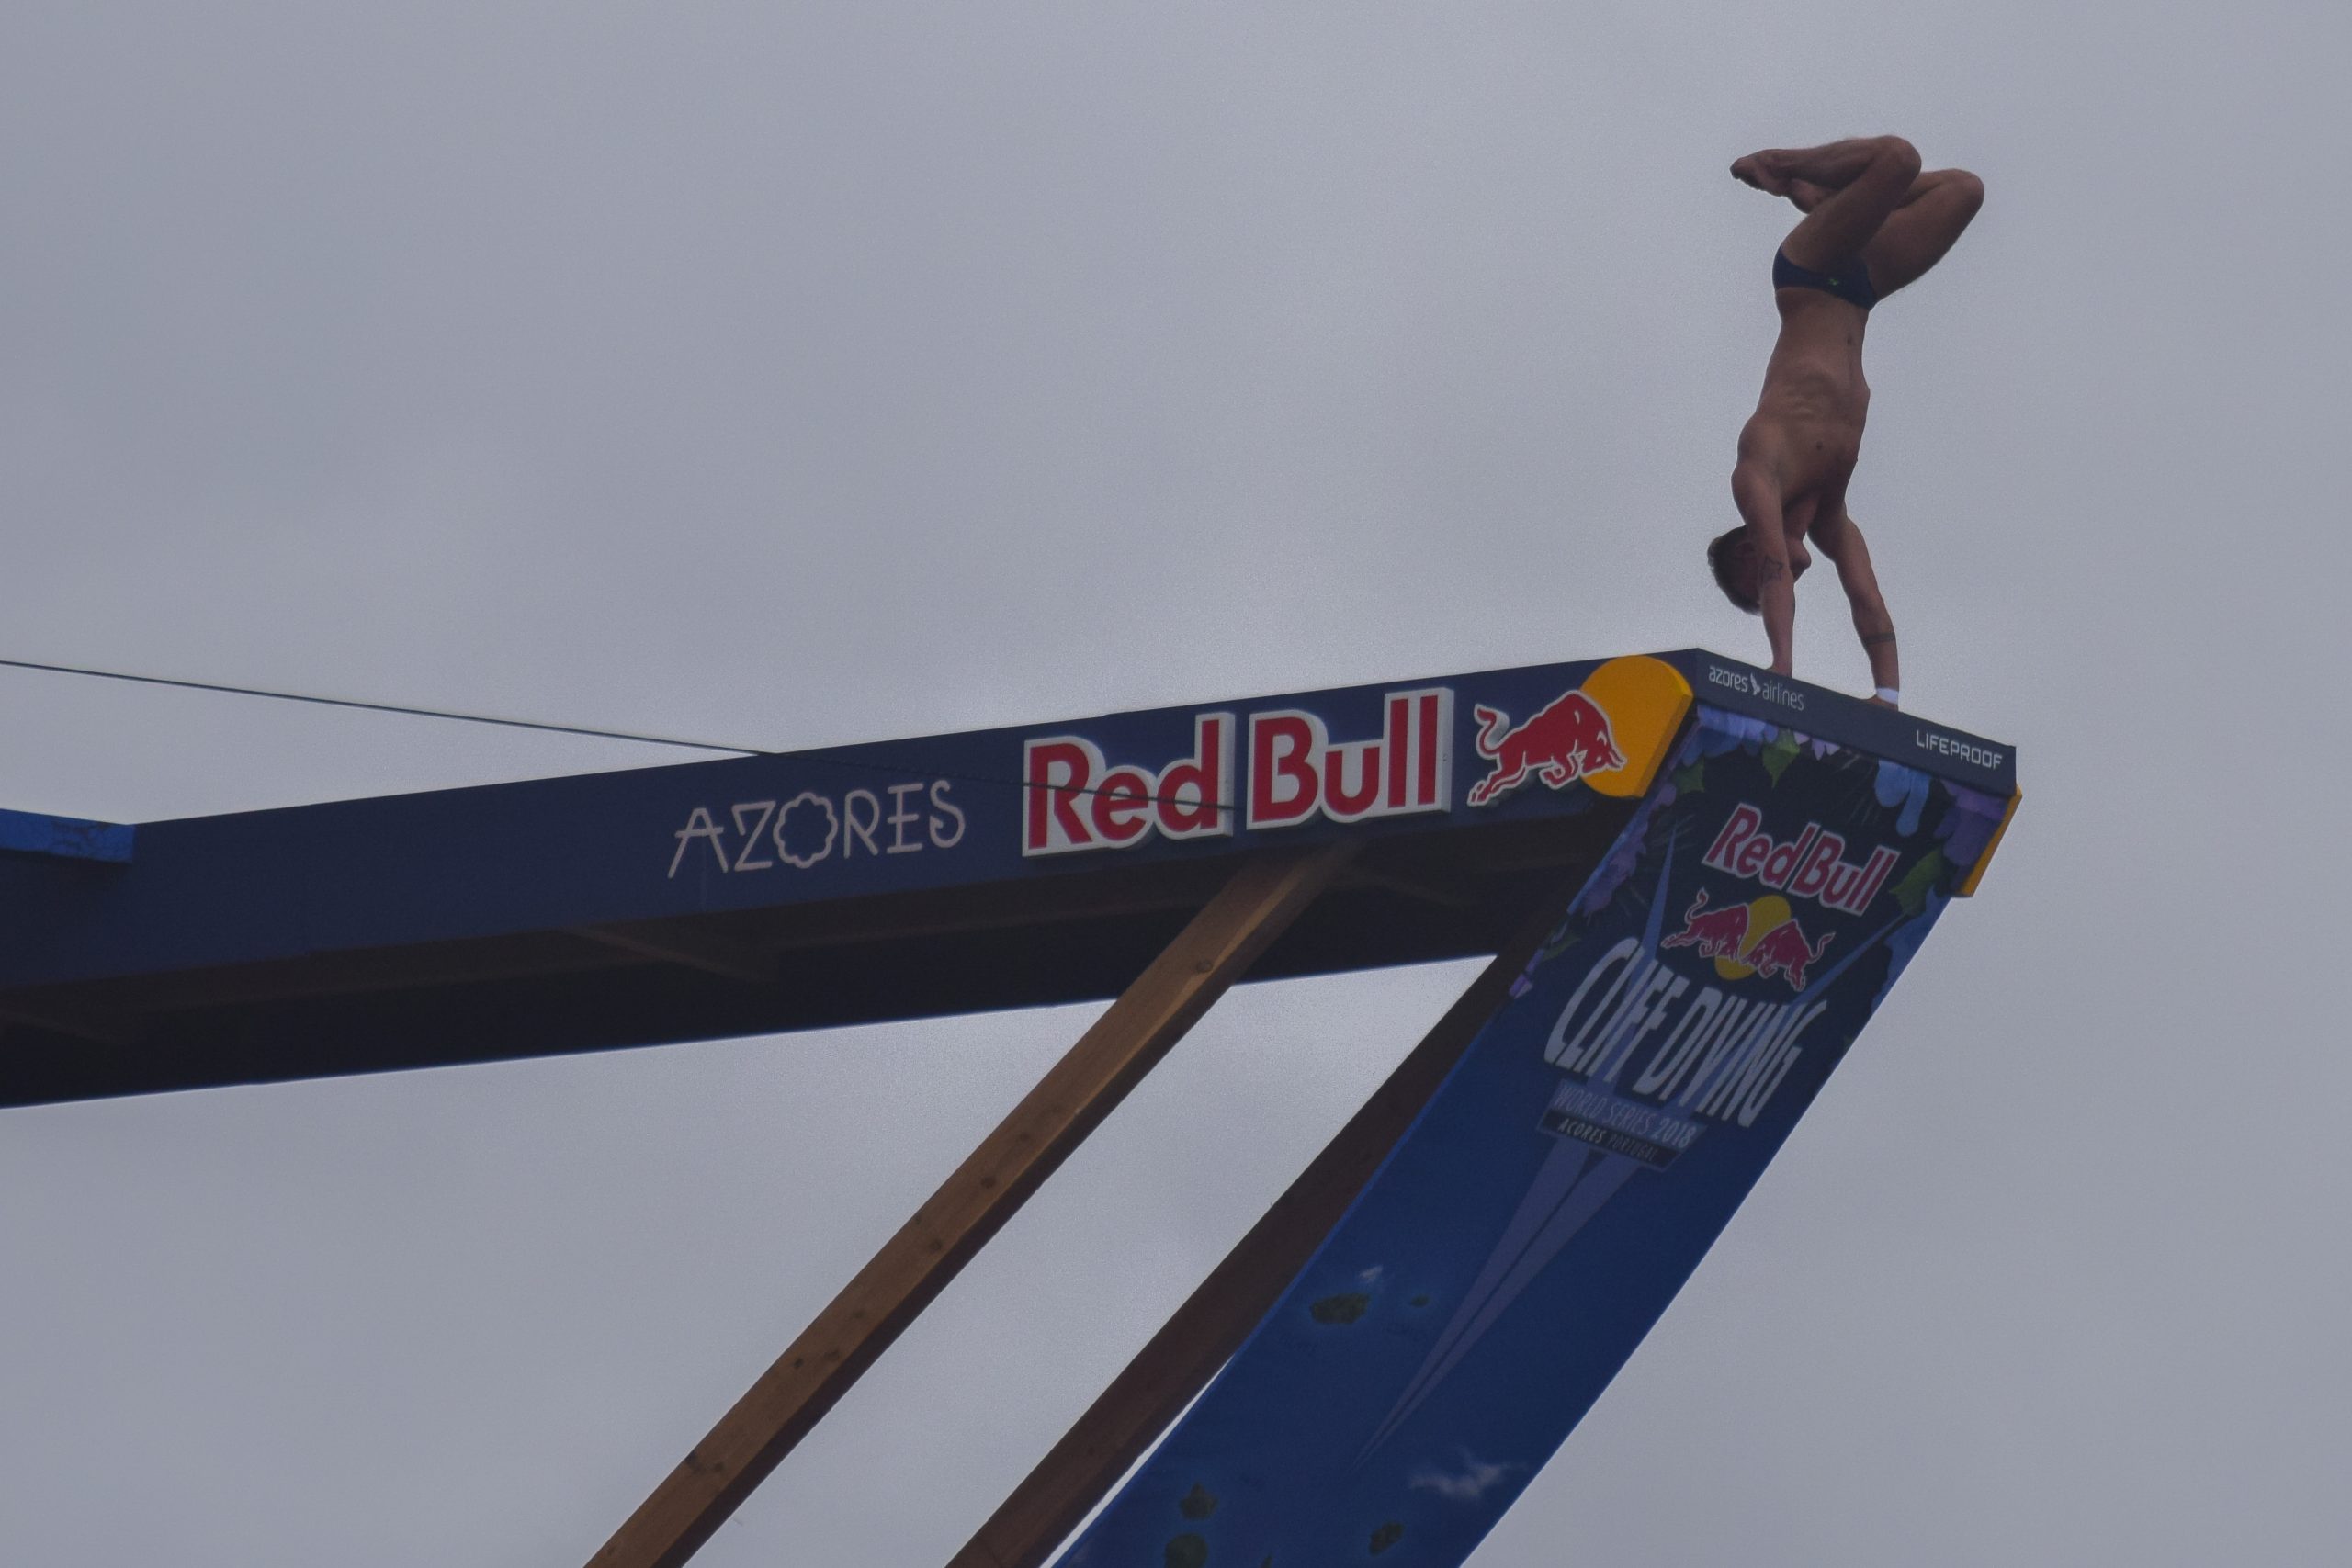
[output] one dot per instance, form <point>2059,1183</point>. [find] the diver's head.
<point>1732,558</point>
<point>1730,555</point>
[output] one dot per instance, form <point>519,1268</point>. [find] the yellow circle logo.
<point>1645,699</point>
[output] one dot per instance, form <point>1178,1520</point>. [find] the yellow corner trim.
<point>1967,888</point>
<point>1646,700</point>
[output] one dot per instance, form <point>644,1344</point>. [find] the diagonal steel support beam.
<point>1254,908</point>
<point>1209,1327</point>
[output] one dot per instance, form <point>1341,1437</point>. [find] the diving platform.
<point>1693,881</point>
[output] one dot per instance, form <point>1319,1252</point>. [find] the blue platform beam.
<point>1006,867</point>
<point>64,838</point>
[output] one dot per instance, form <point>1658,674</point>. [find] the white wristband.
<point>1890,695</point>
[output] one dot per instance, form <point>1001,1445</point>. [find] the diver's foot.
<point>1757,169</point>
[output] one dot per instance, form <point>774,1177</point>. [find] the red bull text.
<point>1807,866</point>
<point>1298,773</point>
<point>1075,799</point>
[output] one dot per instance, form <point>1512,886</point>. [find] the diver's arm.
<point>1842,542</point>
<point>1757,496</point>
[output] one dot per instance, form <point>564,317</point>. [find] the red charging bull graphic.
<point>1783,951</point>
<point>1560,745</point>
<point>1717,934</point>
<point>1761,939</point>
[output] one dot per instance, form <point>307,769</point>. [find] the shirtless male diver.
<point>1873,223</point>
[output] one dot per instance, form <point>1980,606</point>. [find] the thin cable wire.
<point>383,707</point>
<point>871,765</point>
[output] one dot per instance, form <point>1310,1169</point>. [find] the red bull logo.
<point>1810,865</point>
<point>1760,938</point>
<point>1075,797</point>
<point>1567,741</point>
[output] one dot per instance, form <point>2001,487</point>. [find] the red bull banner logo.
<point>1761,939</point>
<point>1290,767</point>
<point>1810,865</point>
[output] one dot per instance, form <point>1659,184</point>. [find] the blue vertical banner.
<point>1571,1172</point>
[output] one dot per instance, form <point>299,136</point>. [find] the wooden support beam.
<point>1214,951</point>
<point>1209,1327</point>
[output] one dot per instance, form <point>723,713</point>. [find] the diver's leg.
<point>1917,234</point>
<point>1862,180</point>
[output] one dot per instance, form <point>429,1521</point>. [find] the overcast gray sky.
<point>796,374</point>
